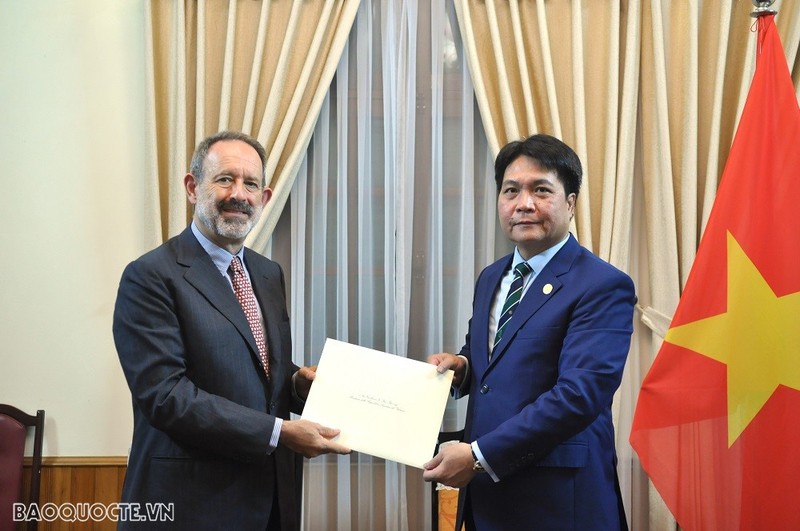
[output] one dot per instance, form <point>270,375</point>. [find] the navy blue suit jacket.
<point>541,408</point>
<point>203,408</point>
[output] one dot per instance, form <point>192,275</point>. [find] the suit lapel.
<point>543,288</point>
<point>483,307</point>
<point>262,279</point>
<point>206,279</point>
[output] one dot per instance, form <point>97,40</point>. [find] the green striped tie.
<point>512,299</point>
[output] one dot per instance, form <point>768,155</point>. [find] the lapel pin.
<point>547,288</point>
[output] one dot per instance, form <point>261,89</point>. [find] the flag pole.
<point>763,8</point>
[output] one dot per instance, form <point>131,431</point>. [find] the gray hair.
<point>200,154</point>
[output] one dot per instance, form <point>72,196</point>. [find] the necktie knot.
<point>236,266</point>
<point>522,269</point>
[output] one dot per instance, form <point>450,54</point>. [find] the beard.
<point>209,212</point>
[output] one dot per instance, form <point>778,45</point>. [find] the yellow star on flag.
<point>758,338</point>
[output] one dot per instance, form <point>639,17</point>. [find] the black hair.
<point>550,153</point>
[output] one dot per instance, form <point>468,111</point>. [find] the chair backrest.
<point>14,426</point>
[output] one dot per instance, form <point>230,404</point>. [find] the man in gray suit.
<point>211,376</point>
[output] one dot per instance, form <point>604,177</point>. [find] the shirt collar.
<point>221,257</point>
<point>539,261</point>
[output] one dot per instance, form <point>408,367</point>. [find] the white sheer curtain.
<point>389,221</point>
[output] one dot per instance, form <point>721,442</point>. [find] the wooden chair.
<point>14,425</point>
<point>444,502</point>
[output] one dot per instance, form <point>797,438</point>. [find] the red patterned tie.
<point>244,292</point>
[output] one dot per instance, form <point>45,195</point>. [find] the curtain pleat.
<point>394,220</point>
<point>235,65</point>
<point>153,215</point>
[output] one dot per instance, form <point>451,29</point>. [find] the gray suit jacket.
<point>203,409</point>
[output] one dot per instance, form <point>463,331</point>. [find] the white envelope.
<point>385,405</point>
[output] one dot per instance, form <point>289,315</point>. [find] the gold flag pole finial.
<point>763,8</point>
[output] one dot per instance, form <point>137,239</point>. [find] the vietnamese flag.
<point>717,423</point>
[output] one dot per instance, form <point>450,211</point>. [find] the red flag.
<point>717,423</point>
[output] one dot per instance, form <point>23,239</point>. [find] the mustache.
<point>236,206</point>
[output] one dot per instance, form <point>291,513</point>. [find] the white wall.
<point>72,146</point>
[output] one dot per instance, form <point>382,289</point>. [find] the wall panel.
<point>77,480</point>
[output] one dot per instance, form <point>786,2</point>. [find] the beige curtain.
<point>649,94</point>
<point>262,67</point>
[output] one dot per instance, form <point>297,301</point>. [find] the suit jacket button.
<point>484,389</point>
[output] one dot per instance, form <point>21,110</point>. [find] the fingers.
<point>336,448</point>
<point>452,466</point>
<point>429,472</point>
<point>443,361</point>
<point>327,445</point>
<point>332,446</point>
<point>310,439</point>
<point>308,373</point>
<point>433,463</point>
<point>436,359</point>
<point>303,379</point>
<point>328,433</point>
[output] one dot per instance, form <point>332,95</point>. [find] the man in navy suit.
<point>538,450</point>
<point>210,404</point>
